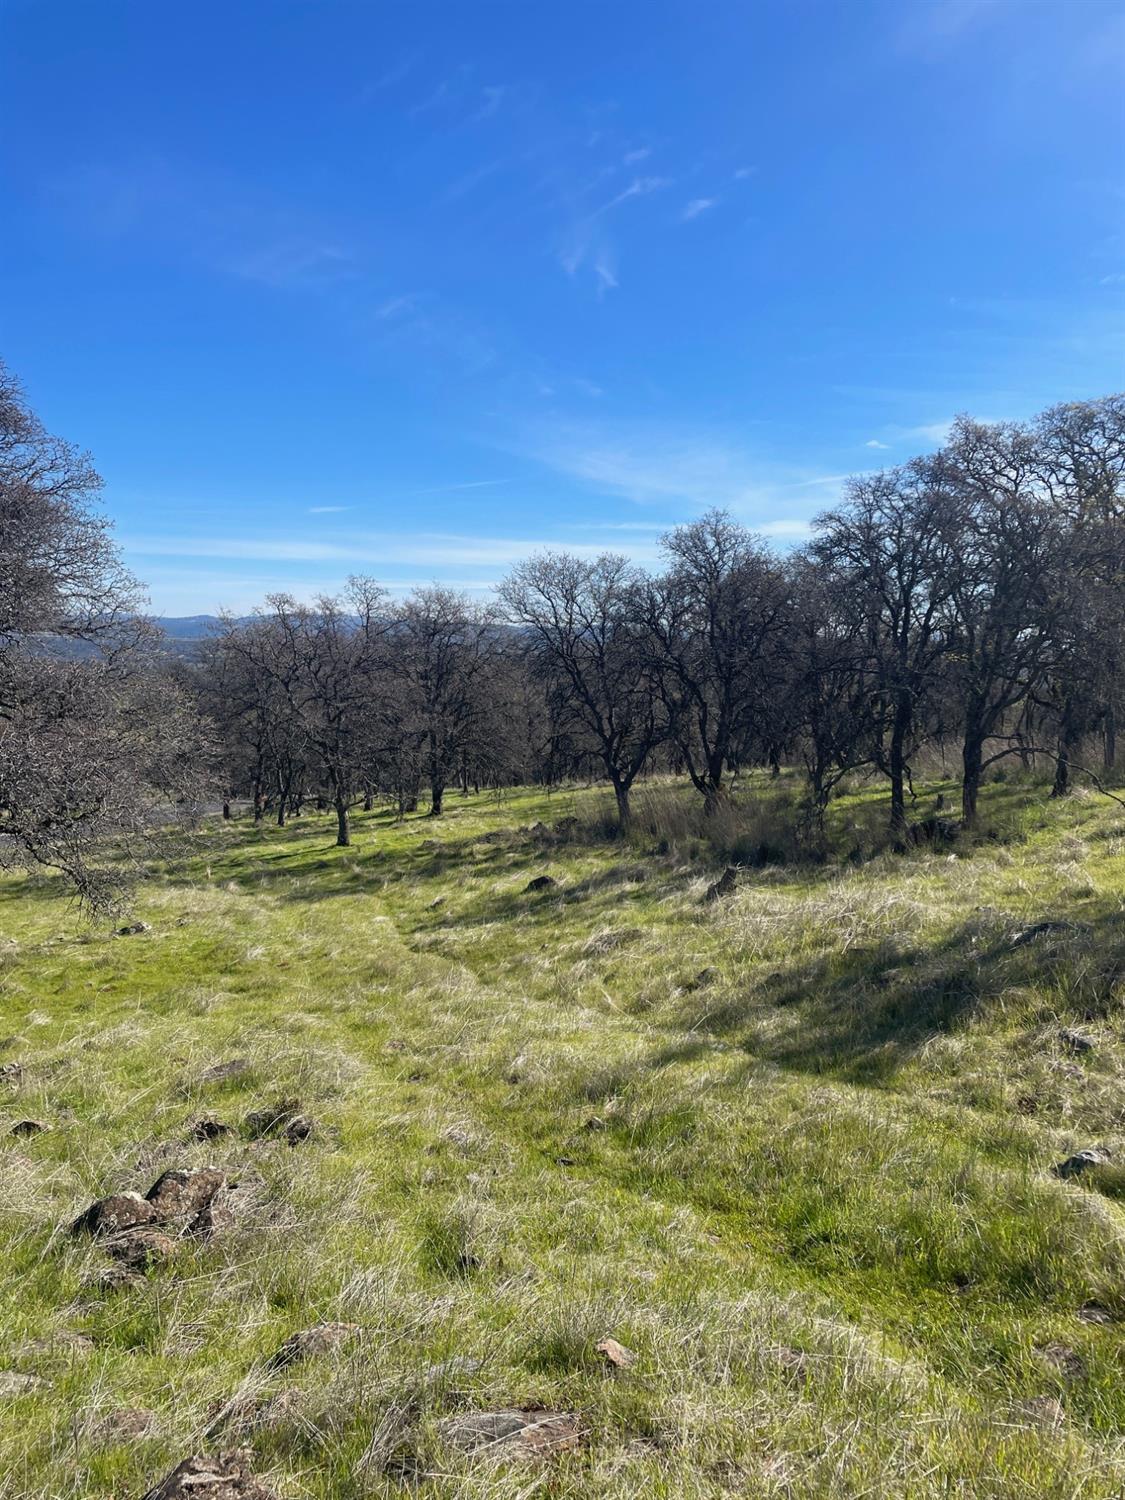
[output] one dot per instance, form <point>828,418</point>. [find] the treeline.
<point>973,597</point>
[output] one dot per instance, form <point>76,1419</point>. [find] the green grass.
<point>810,1190</point>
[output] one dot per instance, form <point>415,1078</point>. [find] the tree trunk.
<point>897,769</point>
<point>1109,743</point>
<point>226,811</point>
<point>343,823</point>
<point>368,799</point>
<point>624,812</point>
<point>281,812</point>
<point>437,796</point>
<point>972,757</point>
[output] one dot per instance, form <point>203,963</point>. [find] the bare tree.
<point>92,734</point>
<point>444,654</point>
<point>589,648</point>
<point>719,619</point>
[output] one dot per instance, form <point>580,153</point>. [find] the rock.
<point>209,1221</point>
<point>28,1128</point>
<point>299,1129</point>
<point>114,1278</point>
<point>435,903</point>
<point>1044,1411</point>
<point>139,1249</point>
<point>210,1130</point>
<point>273,1119</point>
<point>132,928</point>
<point>1094,1312</point>
<point>1068,1362</point>
<point>178,1193</point>
<point>615,1354</point>
<point>606,942</point>
<point>220,1072</point>
<point>540,883</point>
<point>112,1215</point>
<point>1041,929</point>
<point>1080,1162</point>
<point>320,1339</point>
<point>11,1073</point>
<point>594,1123</point>
<point>227,1477</point>
<point>1075,1041</point>
<point>534,1432</point>
<point>15,1383</point>
<point>703,978</point>
<point>247,1412</point>
<point>65,1342</point>
<point>124,1425</point>
<point>726,885</point>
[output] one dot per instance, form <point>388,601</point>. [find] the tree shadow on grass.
<point>862,1015</point>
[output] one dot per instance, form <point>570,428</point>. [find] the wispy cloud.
<point>875,443</point>
<point>741,173</point>
<point>640,187</point>
<point>697,206</point>
<point>393,307</point>
<point>631,158</point>
<point>374,549</point>
<point>493,96</point>
<point>328,510</point>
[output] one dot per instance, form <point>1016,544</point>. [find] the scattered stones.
<point>132,928</point>
<point>1076,1041</point>
<point>1042,929</point>
<point>234,1067</point>
<point>1068,1362</point>
<point>320,1339</point>
<point>615,1354</point>
<point>1080,1162</point>
<point>131,1221</point>
<point>15,1383</point>
<point>28,1128</point>
<point>210,1130</point>
<point>227,1477</point>
<point>532,1432</point>
<point>726,885</point>
<point>541,883</point>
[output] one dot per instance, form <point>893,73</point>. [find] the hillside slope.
<point>792,1150</point>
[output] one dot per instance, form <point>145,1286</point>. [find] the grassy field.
<point>793,1150</point>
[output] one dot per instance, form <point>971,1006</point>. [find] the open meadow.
<point>791,1149</point>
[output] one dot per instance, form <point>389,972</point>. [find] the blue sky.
<point>410,289</point>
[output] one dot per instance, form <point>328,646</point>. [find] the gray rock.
<point>16,1383</point>
<point>227,1477</point>
<point>530,1431</point>
<point>1080,1162</point>
<point>1076,1041</point>
<point>178,1193</point>
<point>320,1339</point>
<point>541,883</point>
<point>27,1128</point>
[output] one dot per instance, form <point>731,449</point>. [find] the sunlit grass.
<point>793,1150</point>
